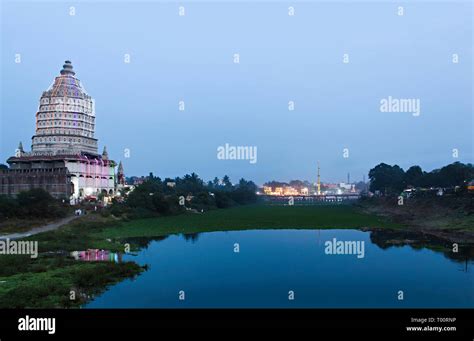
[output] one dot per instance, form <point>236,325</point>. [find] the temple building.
<point>64,158</point>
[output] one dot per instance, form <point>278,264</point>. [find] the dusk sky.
<point>282,58</point>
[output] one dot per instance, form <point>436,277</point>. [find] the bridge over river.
<point>309,199</point>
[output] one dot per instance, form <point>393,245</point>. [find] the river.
<point>332,268</point>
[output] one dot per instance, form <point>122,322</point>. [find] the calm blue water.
<point>273,262</point>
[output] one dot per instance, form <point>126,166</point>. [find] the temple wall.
<point>62,178</point>
<point>59,148</point>
<point>56,181</point>
<point>91,177</point>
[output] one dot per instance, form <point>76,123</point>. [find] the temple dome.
<point>66,84</point>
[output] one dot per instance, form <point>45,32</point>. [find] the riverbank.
<point>49,280</point>
<point>56,280</point>
<point>450,218</point>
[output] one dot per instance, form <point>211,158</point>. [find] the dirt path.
<point>40,229</point>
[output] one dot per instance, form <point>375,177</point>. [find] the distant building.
<point>278,190</point>
<point>331,186</point>
<point>345,186</point>
<point>288,190</point>
<point>64,158</point>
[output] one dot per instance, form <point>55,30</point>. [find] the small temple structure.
<point>64,158</point>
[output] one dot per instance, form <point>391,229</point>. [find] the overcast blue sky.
<point>282,58</point>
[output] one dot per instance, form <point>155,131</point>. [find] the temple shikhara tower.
<point>65,121</point>
<point>64,157</point>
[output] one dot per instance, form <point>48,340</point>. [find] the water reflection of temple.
<point>95,255</point>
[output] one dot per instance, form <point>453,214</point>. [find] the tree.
<point>274,184</point>
<point>226,182</point>
<point>455,174</point>
<point>297,184</point>
<point>190,183</point>
<point>413,176</point>
<point>9,207</point>
<point>387,179</point>
<point>392,179</point>
<point>245,192</point>
<point>39,203</point>
<point>155,197</point>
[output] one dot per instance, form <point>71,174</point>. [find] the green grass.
<point>78,235</point>
<point>46,282</point>
<point>50,286</point>
<point>248,217</point>
<point>16,225</point>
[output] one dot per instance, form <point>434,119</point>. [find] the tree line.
<point>34,203</point>
<point>173,196</point>
<point>391,180</point>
